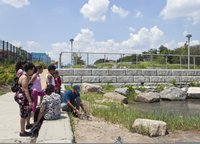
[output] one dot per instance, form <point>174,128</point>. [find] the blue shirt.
<point>69,95</point>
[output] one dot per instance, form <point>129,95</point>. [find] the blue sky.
<point>98,25</point>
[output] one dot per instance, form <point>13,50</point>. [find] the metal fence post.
<point>136,61</point>
<point>104,59</point>
<point>166,61</point>
<point>87,59</point>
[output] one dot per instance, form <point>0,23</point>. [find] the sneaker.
<point>29,126</point>
<point>25,134</point>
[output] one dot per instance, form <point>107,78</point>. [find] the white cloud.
<point>144,39</point>
<point>85,41</point>
<point>173,44</point>
<point>32,46</point>
<point>120,11</point>
<point>138,14</point>
<point>95,10</point>
<point>182,8</point>
<point>17,43</point>
<point>131,29</point>
<point>16,3</point>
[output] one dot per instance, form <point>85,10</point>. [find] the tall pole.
<point>188,36</point>
<point>71,40</point>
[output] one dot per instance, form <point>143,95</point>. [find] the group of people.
<point>51,103</point>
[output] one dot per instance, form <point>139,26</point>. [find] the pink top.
<point>37,84</point>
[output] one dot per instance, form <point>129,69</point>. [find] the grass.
<point>108,88</point>
<point>140,65</point>
<point>119,114</point>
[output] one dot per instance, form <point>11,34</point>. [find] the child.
<point>58,82</point>
<point>49,77</point>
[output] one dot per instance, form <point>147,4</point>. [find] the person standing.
<point>23,98</point>
<point>36,88</point>
<point>58,82</point>
<point>49,77</point>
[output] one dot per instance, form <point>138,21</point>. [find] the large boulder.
<point>173,94</point>
<point>116,96</point>
<point>86,87</point>
<point>149,127</point>
<point>148,97</point>
<point>193,92</point>
<point>122,91</point>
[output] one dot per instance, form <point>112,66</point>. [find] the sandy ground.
<point>99,131</point>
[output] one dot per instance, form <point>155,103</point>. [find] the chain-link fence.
<point>11,53</point>
<point>127,60</point>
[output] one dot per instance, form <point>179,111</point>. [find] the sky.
<point>128,26</point>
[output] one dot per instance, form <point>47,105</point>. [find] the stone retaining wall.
<point>128,76</point>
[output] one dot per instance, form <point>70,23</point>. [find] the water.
<point>190,107</point>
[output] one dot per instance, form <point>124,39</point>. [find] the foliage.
<point>195,84</point>
<point>131,95</point>
<point>159,88</point>
<point>77,60</point>
<point>118,114</point>
<point>108,88</point>
<point>173,81</point>
<point>40,64</point>
<point>7,73</point>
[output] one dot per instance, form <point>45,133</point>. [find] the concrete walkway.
<point>52,131</point>
<point>9,120</point>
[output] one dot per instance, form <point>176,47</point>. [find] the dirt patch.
<point>4,89</point>
<point>100,131</point>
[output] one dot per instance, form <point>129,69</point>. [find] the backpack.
<point>15,85</point>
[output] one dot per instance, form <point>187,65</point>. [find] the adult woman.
<point>23,98</point>
<point>49,109</point>
<point>19,68</point>
<point>36,88</point>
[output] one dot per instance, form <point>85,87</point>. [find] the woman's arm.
<point>33,78</point>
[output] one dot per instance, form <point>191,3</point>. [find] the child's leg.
<point>41,94</point>
<point>35,99</point>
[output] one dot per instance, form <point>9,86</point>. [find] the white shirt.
<point>52,80</point>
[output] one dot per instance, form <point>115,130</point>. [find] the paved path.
<point>10,123</point>
<point>9,120</point>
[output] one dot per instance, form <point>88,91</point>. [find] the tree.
<point>77,60</point>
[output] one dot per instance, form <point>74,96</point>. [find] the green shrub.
<point>132,94</point>
<point>159,88</point>
<point>173,81</point>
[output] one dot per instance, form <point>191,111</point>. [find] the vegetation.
<point>118,114</point>
<point>149,59</point>
<point>159,88</point>
<point>7,73</point>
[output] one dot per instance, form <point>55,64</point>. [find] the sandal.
<point>29,126</point>
<point>25,134</point>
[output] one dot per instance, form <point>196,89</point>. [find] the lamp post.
<point>188,36</point>
<point>72,41</point>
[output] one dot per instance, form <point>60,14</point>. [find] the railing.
<point>11,53</point>
<point>127,60</point>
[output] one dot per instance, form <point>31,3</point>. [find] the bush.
<point>159,88</point>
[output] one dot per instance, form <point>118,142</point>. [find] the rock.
<point>148,97</point>
<point>122,91</point>
<point>116,96</point>
<point>86,87</point>
<point>137,92</point>
<point>185,89</point>
<point>150,127</point>
<point>173,94</point>
<point>194,92</point>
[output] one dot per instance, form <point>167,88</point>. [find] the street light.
<point>188,36</point>
<point>71,40</point>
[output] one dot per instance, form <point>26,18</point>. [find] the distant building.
<point>41,57</point>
